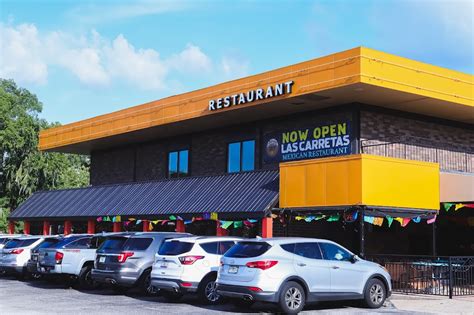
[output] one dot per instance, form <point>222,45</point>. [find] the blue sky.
<point>86,58</point>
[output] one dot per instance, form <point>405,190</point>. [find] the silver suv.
<point>124,261</point>
<point>15,254</point>
<point>294,271</point>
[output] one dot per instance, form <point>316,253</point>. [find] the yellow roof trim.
<point>354,66</point>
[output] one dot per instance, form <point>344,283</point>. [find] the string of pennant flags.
<point>449,205</point>
<point>206,216</point>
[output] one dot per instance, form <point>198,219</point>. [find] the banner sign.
<point>308,143</point>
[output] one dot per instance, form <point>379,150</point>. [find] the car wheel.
<point>85,279</point>
<point>292,298</point>
<point>207,291</point>
<point>171,296</point>
<point>145,284</point>
<point>375,293</point>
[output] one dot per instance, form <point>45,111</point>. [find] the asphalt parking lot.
<point>53,297</point>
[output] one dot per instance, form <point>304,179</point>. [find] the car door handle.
<point>301,264</point>
<point>335,267</point>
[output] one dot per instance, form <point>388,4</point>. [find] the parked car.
<point>294,271</point>
<point>190,265</point>
<point>73,256</point>
<point>32,266</point>
<point>125,261</point>
<point>4,238</point>
<point>15,254</point>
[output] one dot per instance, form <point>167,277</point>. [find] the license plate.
<point>102,259</point>
<point>164,265</point>
<point>233,269</point>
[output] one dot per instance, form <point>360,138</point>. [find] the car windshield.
<point>247,249</point>
<point>15,243</point>
<point>113,243</point>
<point>173,248</point>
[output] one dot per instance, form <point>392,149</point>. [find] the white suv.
<point>190,265</point>
<point>293,271</point>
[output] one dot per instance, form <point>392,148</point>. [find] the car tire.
<point>85,281</point>
<point>375,293</point>
<point>145,284</point>
<point>171,296</point>
<point>292,298</point>
<point>207,291</point>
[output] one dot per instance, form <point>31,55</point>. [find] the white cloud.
<point>234,67</point>
<point>97,61</point>
<point>142,67</point>
<point>105,12</point>
<point>20,54</point>
<point>191,59</point>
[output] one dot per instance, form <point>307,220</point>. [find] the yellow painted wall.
<point>359,180</point>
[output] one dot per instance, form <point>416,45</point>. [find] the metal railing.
<point>441,275</point>
<point>450,157</point>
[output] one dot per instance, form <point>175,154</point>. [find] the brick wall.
<point>208,149</point>
<point>417,139</point>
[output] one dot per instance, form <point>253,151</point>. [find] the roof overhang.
<point>359,75</point>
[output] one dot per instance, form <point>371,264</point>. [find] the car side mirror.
<point>353,259</point>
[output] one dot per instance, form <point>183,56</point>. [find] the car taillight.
<point>122,257</point>
<point>262,264</point>
<point>58,257</point>
<point>189,260</point>
<point>17,251</point>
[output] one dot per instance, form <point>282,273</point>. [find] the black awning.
<point>250,193</point>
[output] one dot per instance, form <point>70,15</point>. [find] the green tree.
<point>23,168</point>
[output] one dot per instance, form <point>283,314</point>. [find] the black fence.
<point>448,276</point>
<point>449,156</point>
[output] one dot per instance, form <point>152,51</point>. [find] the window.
<point>113,243</point>
<point>241,156</point>
<point>210,248</point>
<point>173,248</point>
<point>288,247</point>
<point>178,163</point>
<point>334,252</point>
<point>247,250</point>
<point>308,250</point>
<point>137,243</point>
<point>225,246</point>
<point>81,243</point>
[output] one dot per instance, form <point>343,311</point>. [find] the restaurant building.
<point>361,147</point>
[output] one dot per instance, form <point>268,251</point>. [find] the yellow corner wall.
<point>359,180</point>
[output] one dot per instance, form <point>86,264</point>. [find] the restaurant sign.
<point>308,143</point>
<point>270,91</point>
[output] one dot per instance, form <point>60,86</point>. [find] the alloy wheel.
<point>211,291</point>
<point>376,294</point>
<point>293,298</point>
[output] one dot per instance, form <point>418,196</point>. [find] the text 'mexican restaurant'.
<point>365,148</point>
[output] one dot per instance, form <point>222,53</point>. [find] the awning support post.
<point>180,226</point>
<point>26,227</point>
<point>90,227</point>
<point>117,227</point>
<point>46,227</point>
<point>361,233</point>
<point>434,238</point>
<point>146,226</point>
<point>220,231</point>
<point>267,227</point>
<point>11,227</point>
<point>67,227</point>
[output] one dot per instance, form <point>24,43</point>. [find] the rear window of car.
<point>49,242</point>
<point>247,249</point>
<point>4,240</point>
<point>139,243</point>
<point>173,248</point>
<point>113,243</point>
<point>15,243</point>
